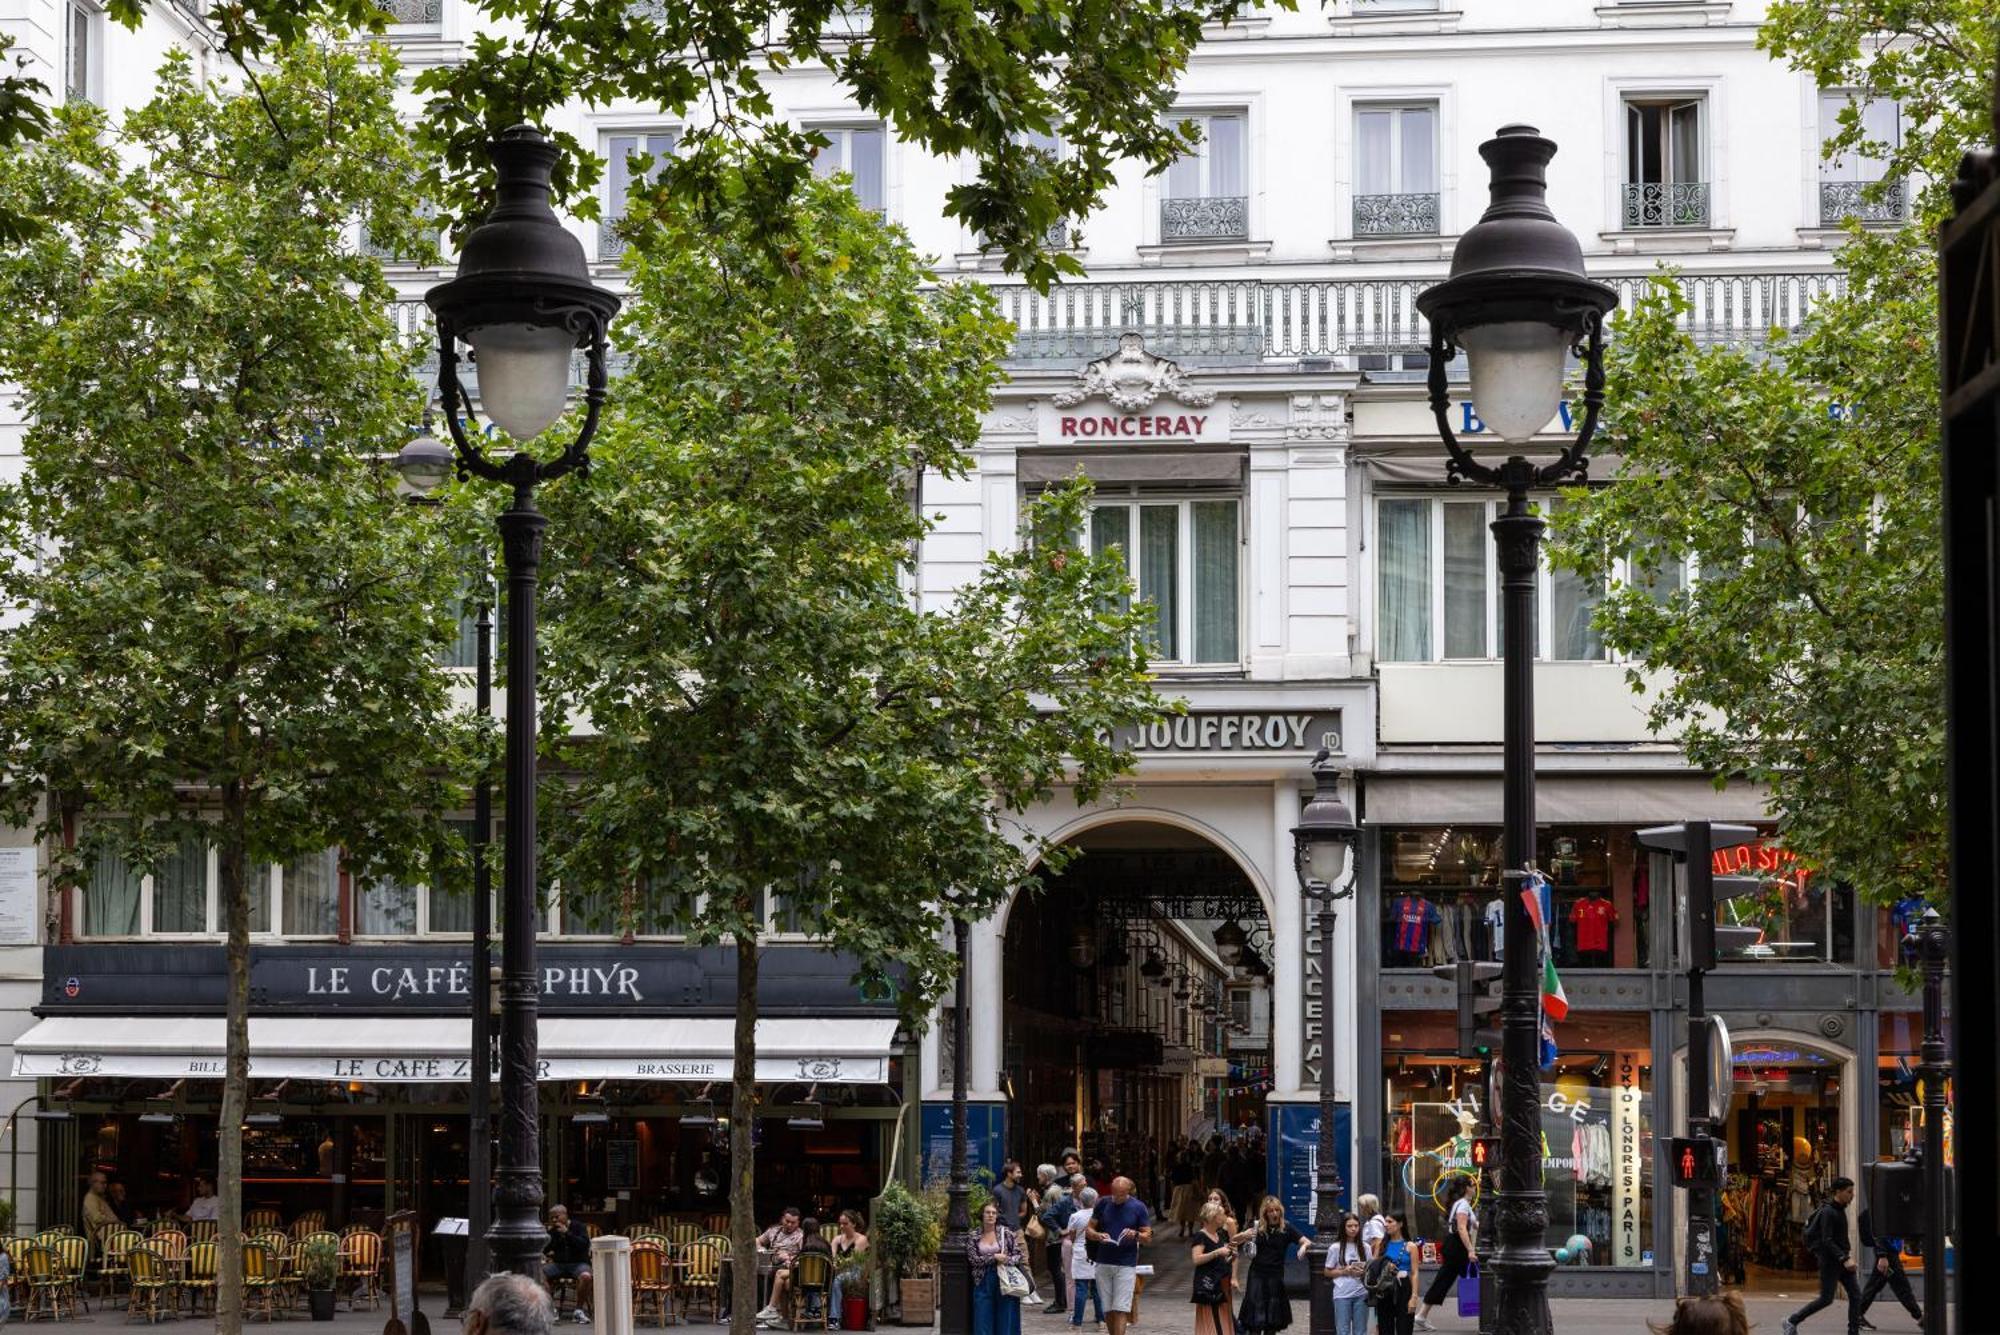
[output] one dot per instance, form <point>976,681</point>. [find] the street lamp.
<point>524,300</point>
<point>954,1264</point>
<point>1323,849</point>
<point>1933,948</point>
<point>1519,303</point>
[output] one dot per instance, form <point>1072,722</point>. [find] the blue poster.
<point>985,1140</point>
<point>1291,1164</point>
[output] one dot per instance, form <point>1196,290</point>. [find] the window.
<point>1183,557</point>
<point>180,890</point>
<point>1438,589</point>
<point>385,907</point>
<point>1664,186</point>
<point>623,176</point>
<point>463,651</point>
<point>452,911</point>
<point>181,897</point>
<point>858,151</point>
<point>112,888</point>
<point>80,56</point>
<point>1206,198</point>
<point>1362,8</point>
<point>1843,179</point>
<point>1057,236</point>
<point>1396,170</point>
<point>310,895</point>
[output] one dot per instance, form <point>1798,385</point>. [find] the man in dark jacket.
<point>1889,1273</point>
<point>1826,1238</point>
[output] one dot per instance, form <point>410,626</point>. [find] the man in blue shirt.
<point>1118,1224</point>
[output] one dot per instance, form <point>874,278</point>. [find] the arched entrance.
<point>1136,996</point>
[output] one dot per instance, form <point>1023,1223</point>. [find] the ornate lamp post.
<point>1519,303</point>
<point>524,300</point>
<point>1323,849</point>
<point>954,1265</point>
<point>1933,948</point>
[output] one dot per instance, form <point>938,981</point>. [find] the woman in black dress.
<point>1212,1253</point>
<point>1265,1306</point>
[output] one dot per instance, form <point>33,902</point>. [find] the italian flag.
<point>1555,1004</point>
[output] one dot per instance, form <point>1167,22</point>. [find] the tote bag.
<point>1468,1290</point>
<point>1013,1283</point>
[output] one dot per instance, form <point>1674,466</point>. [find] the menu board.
<point>621,1165</point>
<point>19,904</point>
<point>403,1266</point>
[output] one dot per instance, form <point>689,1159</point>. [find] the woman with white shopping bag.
<point>999,1276</point>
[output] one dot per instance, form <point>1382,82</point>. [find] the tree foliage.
<point>221,623</point>
<point>727,604</point>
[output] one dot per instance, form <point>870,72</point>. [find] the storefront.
<point>358,1079</point>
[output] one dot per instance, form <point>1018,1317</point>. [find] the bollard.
<point>611,1284</point>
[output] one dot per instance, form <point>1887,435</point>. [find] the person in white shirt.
<point>1082,1271</point>
<point>1459,1248</point>
<point>1346,1263</point>
<point>1373,1230</point>
<point>205,1204</point>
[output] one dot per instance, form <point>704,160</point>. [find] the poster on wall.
<point>985,1140</point>
<point>1291,1165</point>
<point>19,903</point>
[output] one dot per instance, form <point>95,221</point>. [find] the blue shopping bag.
<point>1468,1290</point>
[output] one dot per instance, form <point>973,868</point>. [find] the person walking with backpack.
<point>1889,1273</point>
<point>1392,1278</point>
<point>1826,1238</point>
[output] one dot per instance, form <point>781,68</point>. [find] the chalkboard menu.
<point>403,1266</point>
<point>621,1165</point>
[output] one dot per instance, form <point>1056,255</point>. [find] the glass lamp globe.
<point>523,375</point>
<point>1517,375</point>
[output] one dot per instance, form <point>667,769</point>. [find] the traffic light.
<point>1692,1162</point>
<point>1693,843</point>
<point>1477,983</point>
<point>1485,1153</point>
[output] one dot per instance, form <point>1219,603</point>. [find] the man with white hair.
<point>509,1304</point>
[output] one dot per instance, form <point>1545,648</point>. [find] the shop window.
<point>857,151</point>
<point>1784,1134</point>
<point>1597,1121</point>
<point>1899,1088</point>
<point>1800,917</point>
<point>1184,558</point>
<point>1441,896</point>
<point>182,896</point>
<point>1439,588</point>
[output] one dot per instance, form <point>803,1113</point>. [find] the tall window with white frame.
<point>1855,184</point>
<point>1184,558</point>
<point>1396,170</point>
<point>1438,588</point>
<point>857,150</point>
<point>633,159</point>
<point>81,21</point>
<point>1050,145</point>
<point>1665,181</point>
<point>1207,196</point>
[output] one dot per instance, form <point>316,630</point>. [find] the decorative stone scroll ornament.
<point>1132,379</point>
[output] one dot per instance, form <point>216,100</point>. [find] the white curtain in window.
<point>1405,553</point>
<point>1184,180</point>
<point>1110,527</point>
<point>1465,594</point>
<point>451,911</point>
<point>1215,581</point>
<point>180,889</point>
<point>1374,152</point>
<point>312,895</point>
<point>619,149</point>
<point>858,152</point>
<point>259,876</point>
<point>1572,599</point>
<point>1684,139</point>
<point>1159,573</point>
<point>110,897</point>
<point>385,907</point>
<point>1418,150</point>
<point>1214,170</point>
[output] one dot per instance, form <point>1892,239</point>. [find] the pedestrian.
<point>1212,1253</point>
<point>1011,1195</point>
<point>1889,1273</point>
<point>1185,1203</point>
<point>1346,1263</point>
<point>1265,1306</point>
<point>992,1246</point>
<point>1369,1207</point>
<point>1826,1238</point>
<point>1459,1247</point>
<point>1119,1223</point>
<point>1229,1224</point>
<point>1719,1315</point>
<point>1082,1271</point>
<point>1052,1217</point>
<point>509,1304</point>
<point>1395,1301</point>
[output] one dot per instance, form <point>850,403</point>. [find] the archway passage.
<point>1137,1012</point>
<point>1786,1141</point>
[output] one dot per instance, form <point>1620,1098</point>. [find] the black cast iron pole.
<point>479,1118</point>
<point>954,1266</point>
<point>1326,1209</point>
<point>1933,948</point>
<point>1521,1262</point>
<point>517,1236</point>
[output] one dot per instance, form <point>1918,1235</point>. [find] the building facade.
<point>1241,374</point>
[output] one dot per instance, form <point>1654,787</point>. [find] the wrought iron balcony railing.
<point>1666,204</point>
<point>1216,218</point>
<point>1395,215</point>
<point>610,245</point>
<point>1841,200</point>
<point>414,11</point>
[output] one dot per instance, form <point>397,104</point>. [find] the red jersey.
<point>1593,919</point>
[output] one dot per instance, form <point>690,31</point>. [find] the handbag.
<point>1036,1230</point>
<point>1013,1283</point>
<point>1208,1284</point>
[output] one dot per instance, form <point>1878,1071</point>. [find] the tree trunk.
<point>233,867</point>
<point>742,1146</point>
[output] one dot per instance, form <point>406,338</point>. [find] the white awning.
<point>423,1050</point>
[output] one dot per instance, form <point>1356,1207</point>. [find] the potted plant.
<point>906,1234</point>
<point>319,1268</point>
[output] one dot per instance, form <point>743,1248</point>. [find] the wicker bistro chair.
<point>312,1221</point>
<point>171,1244</point>
<point>256,1221</point>
<point>203,1230</point>
<point>701,1277</point>
<point>203,1265</point>
<point>153,1284</point>
<point>49,1291</point>
<point>263,1278</point>
<point>112,1268</point>
<point>683,1232</point>
<point>812,1278</point>
<point>73,1254</point>
<point>361,1267</point>
<point>652,1283</point>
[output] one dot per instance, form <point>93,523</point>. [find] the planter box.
<point>919,1295</point>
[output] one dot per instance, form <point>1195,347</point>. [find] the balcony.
<point>1863,200</point>
<point>1217,218</point>
<point>1395,215</point>
<point>1666,204</point>
<point>415,12</point>
<point>610,245</point>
